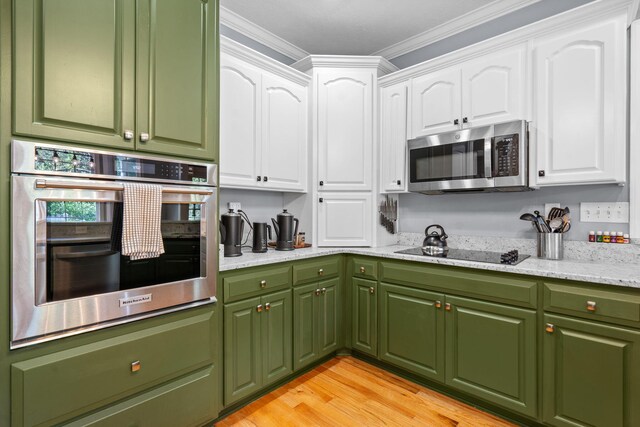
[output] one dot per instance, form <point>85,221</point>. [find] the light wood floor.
<point>348,392</point>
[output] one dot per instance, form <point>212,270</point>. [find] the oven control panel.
<point>506,155</point>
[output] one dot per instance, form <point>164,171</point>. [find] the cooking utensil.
<point>543,224</point>
<point>555,213</point>
<point>556,225</point>
<point>531,217</point>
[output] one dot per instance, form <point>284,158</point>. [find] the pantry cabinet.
<point>263,122</point>
<point>580,105</point>
<point>393,137</point>
<point>489,89</point>
<point>126,75</point>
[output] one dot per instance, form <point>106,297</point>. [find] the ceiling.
<point>352,27</point>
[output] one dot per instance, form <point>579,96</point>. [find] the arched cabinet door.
<point>580,112</point>
<point>435,102</point>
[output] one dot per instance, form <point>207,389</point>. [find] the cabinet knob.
<point>128,135</point>
<point>549,328</point>
<point>363,270</point>
<point>144,137</point>
<point>465,120</point>
<point>398,182</point>
<point>321,272</point>
<point>320,200</point>
<point>323,291</point>
<point>591,305</point>
<point>321,183</point>
<point>456,122</point>
<point>447,306</point>
<point>258,178</point>
<point>265,179</point>
<point>540,173</point>
<point>372,290</point>
<point>267,306</point>
<point>259,308</point>
<point>263,284</point>
<point>317,292</point>
<point>438,304</point>
<point>136,366</point>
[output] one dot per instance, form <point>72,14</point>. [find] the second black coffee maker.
<point>260,232</point>
<point>285,232</point>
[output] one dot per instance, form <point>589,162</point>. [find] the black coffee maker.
<point>231,230</point>
<point>260,232</point>
<point>285,231</point>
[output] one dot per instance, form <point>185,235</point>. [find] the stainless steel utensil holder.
<point>550,245</point>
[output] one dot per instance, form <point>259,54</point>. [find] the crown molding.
<point>346,61</point>
<point>468,20</point>
<point>247,28</point>
<point>263,62</point>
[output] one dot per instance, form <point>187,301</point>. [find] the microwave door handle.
<point>487,158</point>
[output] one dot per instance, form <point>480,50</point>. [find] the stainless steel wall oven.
<point>68,273</point>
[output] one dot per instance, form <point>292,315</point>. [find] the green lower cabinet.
<point>412,330</point>
<point>257,344</point>
<point>316,329</point>
<point>591,374</point>
<point>364,316</point>
<point>491,352</point>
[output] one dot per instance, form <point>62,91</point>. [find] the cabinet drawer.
<point>258,282</point>
<point>487,285</point>
<point>365,268</point>
<point>614,306</point>
<point>59,386</point>
<point>317,269</point>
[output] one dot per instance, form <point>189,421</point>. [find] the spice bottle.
<point>626,238</point>
<point>606,237</point>
<point>614,237</point>
<point>599,237</point>
<point>620,237</point>
<point>592,236</point>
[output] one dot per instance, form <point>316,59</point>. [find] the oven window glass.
<point>79,249</point>
<point>462,160</point>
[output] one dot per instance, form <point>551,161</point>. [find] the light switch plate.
<point>616,212</point>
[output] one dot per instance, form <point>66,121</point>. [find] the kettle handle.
<point>295,230</point>
<point>269,231</point>
<point>275,227</point>
<point>444,234</point>
<point>223,233</point>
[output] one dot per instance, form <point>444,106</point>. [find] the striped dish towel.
<point>141,234</point>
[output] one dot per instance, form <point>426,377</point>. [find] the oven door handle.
<point>44,183</point>
<point>86,254</point>
<point>487,158</point>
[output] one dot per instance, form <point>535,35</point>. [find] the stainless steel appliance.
<point>512,257</point>
<point>488,158</point>
<point>231,231</point>
<point>68,274</point>
<point>435,243</point>
<point>285,230</point>
<point>260,232</point>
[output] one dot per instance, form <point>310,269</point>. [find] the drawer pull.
<point>438,304</point>
<point>591,305</point>
<point>267,306</point>
<point>447,306</point>
<point>323,291</point>
<point>372,290</point>
<point>317,292</point>
<point>136,366</point>
<point>321,272</point>
<point>549,328</point>
<point>259,308</point>
<point>363,270</point>
<point>263,284</point>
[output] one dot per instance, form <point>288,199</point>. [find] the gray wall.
<point>497,214</point>
<point>511,21</point>
<point>251,43</point>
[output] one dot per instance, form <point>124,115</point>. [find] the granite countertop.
<point>627,275</point>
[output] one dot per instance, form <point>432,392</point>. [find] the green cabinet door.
<point>491,352</point>
<point>411,328</point>
<point>364,316</point>
<point>74,65</point>
<point>591,374</point>
<point>177,81</point>
<point>305,325</point>
<point>328,324</point>
<point>242,361</point>
<point>276,336</point>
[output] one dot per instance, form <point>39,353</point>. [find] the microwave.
<point>487,158</point>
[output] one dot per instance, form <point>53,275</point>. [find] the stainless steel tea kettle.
<point>285,231</point>
<point>435,244</point>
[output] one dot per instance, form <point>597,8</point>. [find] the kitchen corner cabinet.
<point>263,124</point>
<point>257,344</point>
<point>364,316</point>
<point>580,105</point>
<point>345,219</point>
<point>482,91</point>
<point>393,137</point>
<point>119,74</point>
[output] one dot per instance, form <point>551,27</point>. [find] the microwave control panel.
<point>506,155</point>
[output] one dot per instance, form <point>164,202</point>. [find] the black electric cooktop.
<point>511,257</point>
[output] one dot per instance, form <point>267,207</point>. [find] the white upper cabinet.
<point>344,219</point>
<point>263,122</point>
<point>345,129</point>
<point>486,90</point>
<point>580,105</point>
<point>393,137</point>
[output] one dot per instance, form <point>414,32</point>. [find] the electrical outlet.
<point>234,205</point>
<point>604,212</point>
